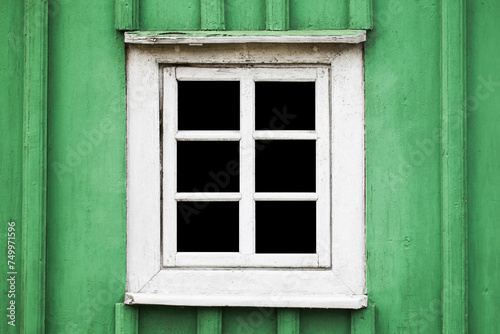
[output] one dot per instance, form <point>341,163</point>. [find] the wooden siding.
<point>86,165</point>
<point>254,15</point>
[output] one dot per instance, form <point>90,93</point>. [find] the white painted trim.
<point>343,276</point>
<point>286,197</point>
<point>205,197</point>
<point>306,301</point>
<point>198,41</point>
<point>323,184</point>
<point>169,223</point>
<point>348,169</point>
<point>237,260</point>
<point>208,136</point>
<point>284,135</point>
<point>247,167</point>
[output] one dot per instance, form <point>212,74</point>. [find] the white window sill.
<point>312,301</point>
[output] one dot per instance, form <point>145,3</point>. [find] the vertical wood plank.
<point>363,321</point>
<point>277,14</point>
<point>212,15</point>
<point>453,166</point>
<point>33,252</point>
<point>126,319</point>
<point>360,14</point>
<point>209,320</point>
<point>127,14</point>
<point>288,321</point>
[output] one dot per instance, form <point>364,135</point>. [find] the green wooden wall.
<point>86,215</point>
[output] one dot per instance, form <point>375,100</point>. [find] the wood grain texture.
<point>360,14</point>
<point>319,14</point>
<point>402,85</point>
<point>363,321</point>
<point>127,14</point>
<point>209,320</point>
<point>277,15</point>
<point>170,15</point>
<point>288,321</point>
<point>483,161</point>
<point>33,250</point>
<point>86,206</point>
<point>126,319</point>
<point>212,15</point>
<point>11,146</point>
<point>245,15</point>
<point>453,164</point>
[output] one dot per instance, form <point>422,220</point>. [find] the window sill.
<point>303,301</point>
<point>261,36</point>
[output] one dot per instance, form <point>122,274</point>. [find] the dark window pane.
<point>285,166</point>
<point>207,227</point>
<point>209,166</point>
<point>284,105</point>
<point>209,105</point>
<point>285,227</point>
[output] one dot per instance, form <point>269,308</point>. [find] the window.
<point>245,175</point>
<point>248,192</point>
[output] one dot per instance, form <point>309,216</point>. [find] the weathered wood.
<point>360,14</point>
<point>453,164</point>
<point>127,14</point>
<point>209,320</point>
<point>363,321</point>
<point>33,252</point>
<point>288,321</point>
<point>212,14</point>
<point>291,36</point>
<point>277,14</point>
<point>126,319</point>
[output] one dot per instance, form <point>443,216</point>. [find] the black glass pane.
<point>209,105</point>
<point>285,166</point>
<point>284,105</point>
<point>208,166</point>
<point>207,226</point>
<point>285,227</point>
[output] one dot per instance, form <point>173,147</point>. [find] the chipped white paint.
<point>133,38</point>
<point>335,276</point>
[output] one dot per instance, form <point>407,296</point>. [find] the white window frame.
<point>247,196</point>
<point>336,280</point>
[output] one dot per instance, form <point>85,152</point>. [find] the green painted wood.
<point>11,153</point>
<point>127,14</point>
<point>86,204</point>
<point>167,319</point>
<point>363,321</point>
<point>212,14</point>
<point>33,251</point>
<point>209,320</point>
<point>360,14</point>
<point>288,321</point>
<point>403,154</point>
<point>277,14</point>
<point>483,157</point>
<point>170,15</point>
<point>322,321</point>
<point>249,320</point>
<point>245,15</point>
<point>454,175</point>
<point>319,14</point>
<point>126,319</point>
